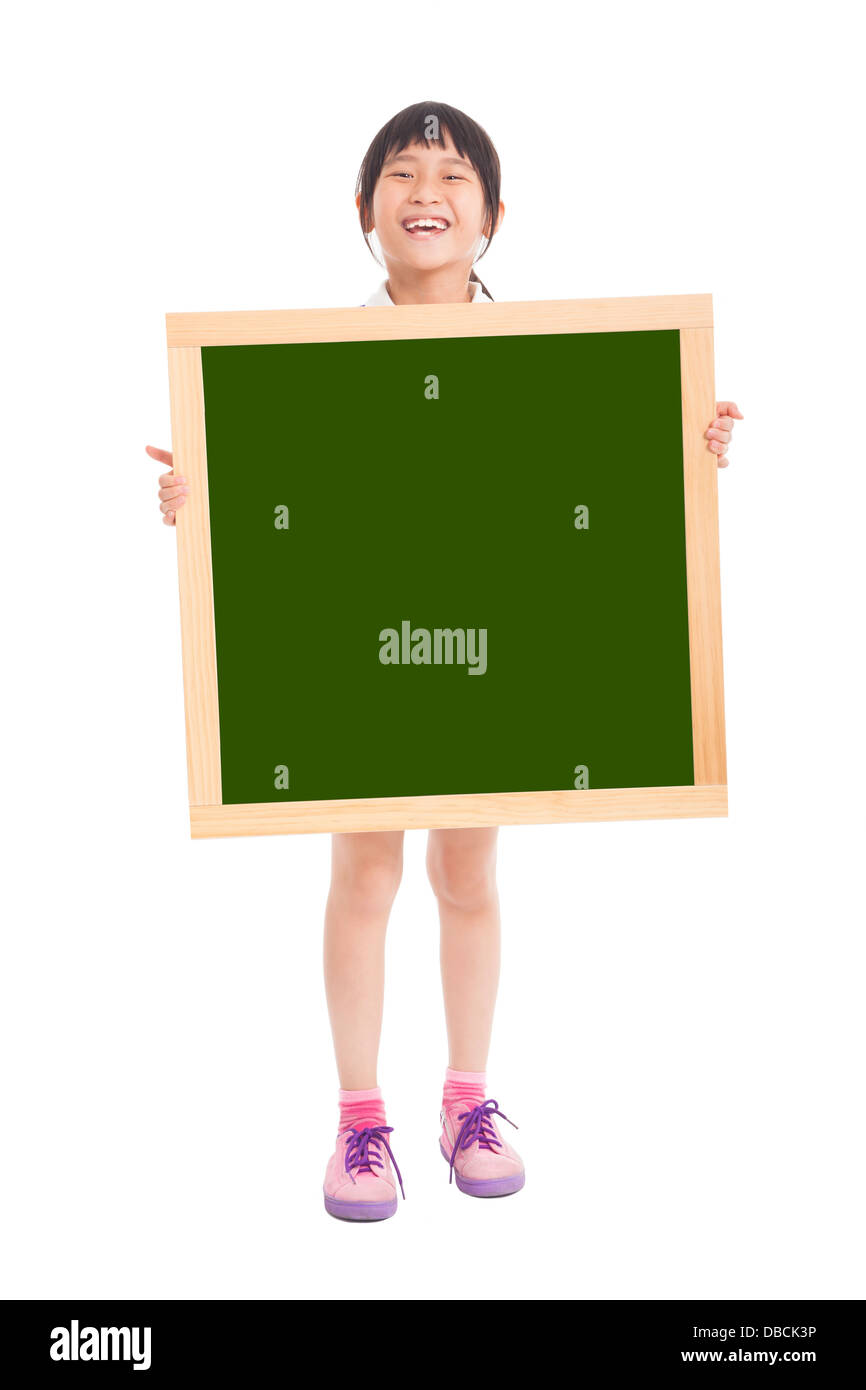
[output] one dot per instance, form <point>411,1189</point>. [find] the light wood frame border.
<point>186,334</point>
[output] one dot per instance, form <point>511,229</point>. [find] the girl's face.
<point>429,182</point>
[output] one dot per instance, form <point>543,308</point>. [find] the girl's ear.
<point>358,206</point>
<point>500,213</point>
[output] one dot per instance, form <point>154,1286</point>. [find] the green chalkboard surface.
<point>407,516</point>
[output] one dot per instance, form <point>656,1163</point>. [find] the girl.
<point>429,185</point>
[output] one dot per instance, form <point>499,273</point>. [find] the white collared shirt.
<point>383,297</point>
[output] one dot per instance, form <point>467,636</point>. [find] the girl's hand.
<point>721,429</point>
<point>172,491</point>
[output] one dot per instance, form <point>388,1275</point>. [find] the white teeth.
<point>433,222</point>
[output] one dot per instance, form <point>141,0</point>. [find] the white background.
<point>679,1034</point>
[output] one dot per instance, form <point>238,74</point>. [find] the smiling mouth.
<point>425,228</point>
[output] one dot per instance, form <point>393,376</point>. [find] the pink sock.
<point>466,1088</point>
<point>360,1109</point>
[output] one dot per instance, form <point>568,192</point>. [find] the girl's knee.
<point>461,878</point>
<point>369,875</point>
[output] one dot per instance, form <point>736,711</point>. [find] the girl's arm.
<point>173,491</point>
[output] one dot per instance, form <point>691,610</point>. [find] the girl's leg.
<point>462,869</point>
<point>461,865</point>
<point>366,869</point>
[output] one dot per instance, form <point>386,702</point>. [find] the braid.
<point>484,288</point>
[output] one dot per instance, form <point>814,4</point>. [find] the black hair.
<point>409,127</point>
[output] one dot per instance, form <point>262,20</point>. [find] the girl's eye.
<point>403,174</point>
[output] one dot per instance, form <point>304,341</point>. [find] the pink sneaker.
<point>359,1184</point>
<point>484,1164</point>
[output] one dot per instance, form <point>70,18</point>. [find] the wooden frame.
<point>692,316</point>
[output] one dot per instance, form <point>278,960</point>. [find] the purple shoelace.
<point>363,1151</point>
<point>478,1129</point>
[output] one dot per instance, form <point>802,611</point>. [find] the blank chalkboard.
<point>460,565</point>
